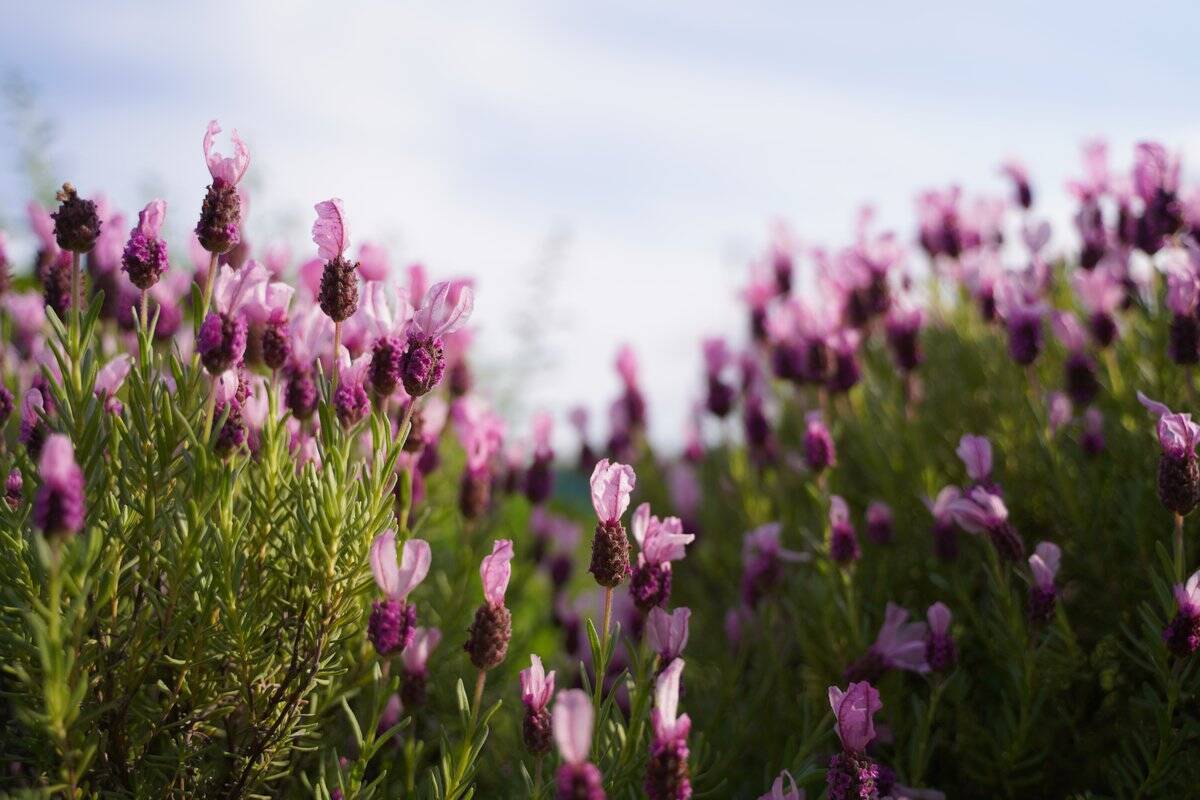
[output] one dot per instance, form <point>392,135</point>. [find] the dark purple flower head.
<point>1182,634</point>
<point>819,450</point>
<point>221,342</point>
<point>76,222</point>
<point>145,256</point>
<point>391,626</point>
<point>880,523</point>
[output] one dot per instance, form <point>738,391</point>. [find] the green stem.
<point>1179,568</point>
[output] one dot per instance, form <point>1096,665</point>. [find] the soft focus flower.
<point>572,722</point>
<point>668,776</point>
<point>777,789</point>
<point>899,645</point>
<point>1043,593</point>
<point>667,632</point>
<point>415,662</point>
<point>109,379</point>
<point>661,542</point>
<point>982,511</point>
<point>1178,472</point>
<point>976,454</point>
<point>843,541</point>
<point>880,523</point>
<point>537,687</point>
<point>1182,634</point>
<point>58,507</point>
<point>819,450</point>
<point>940,650</point>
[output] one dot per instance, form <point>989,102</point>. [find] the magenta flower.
<point>661,542</point>
<point>219,227</point>
<point>976,454</point>
<point>58,507</point>
<point>777,789</point>
<point>221,341</point>
<point>33,427</point>
<point>903,328</point>
<point>1022,191</point>
<point>1182,634</point>
<point>350,399</point>
<point>572,721</point>
<point>611,485</point>
<point>900,644</point>
<point>373,262</point>
<point>1023,316</point>
<point>1093,432</point>
<point>1079,369</point>
<point>819,450</point>
<point>144,258</point>
<point>851,773</point>
<point>668,776</point>
<point>843,541</point>
<point>721,395</point>
<point>537,687</point>
<point>440,314</point>
<point>667,632</point>
<point>393,620</point>
<point>1101,294</point>
<point>490,632</point>
<point>1060,411</point>
<point>331,231</point>
<point>1043,593</point>
<point>983,512</point>
<point>854,714</point>
<point>42,225</point>
<point>1178,473</point>
<point>539,478</point>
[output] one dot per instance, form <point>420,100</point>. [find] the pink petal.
<point>56,464</point>
<point>331,232</point>
<point>112,375</point>
<point>854,711</point>
<point>383,563</point>
<point>151,218</point>
<point>415,559</point>
<point>496,570</point>
<point>572,721</point>
<point>976,454</point>
<point>611,484</point>
<point>939,618</point>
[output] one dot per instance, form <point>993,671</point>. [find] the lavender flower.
<point>940,650</point>
<point>611,486</point>
<point>660,542</point>
<point>1042,592</point>
<point>668,776</point>
<point>572,718</point>
<point>1182,634</point>
<point>392,623</point>
<point>900,644</point>
<point>1178,472</point>
<point>537,687</point>
<point>58,507</point>
<point>843,541</point>
<point>487,639</point>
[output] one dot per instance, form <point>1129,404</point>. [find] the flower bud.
<point>76,223</point>
<point>488,636</point>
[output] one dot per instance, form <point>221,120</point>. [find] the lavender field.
<point>277,524</point>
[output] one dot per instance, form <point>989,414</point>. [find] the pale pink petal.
<point>231,169</point>
<point>383,563</point>
<point>112,375</point>
<point>496,570</point>
<point>415,559</point>
<point>639,523</point>
<point>151,218</point>
<point>976,454</point>
<point>56,465</point>
<point>854,711</point>
<point>373,262</point>
<point>416,655</point>
<point>330,232</point>
<point>572,721</point>
<point>939,618</point>
<point>611,485</point>
<point>666,699</point>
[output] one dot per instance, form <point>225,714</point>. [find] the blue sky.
<point>645,147</point>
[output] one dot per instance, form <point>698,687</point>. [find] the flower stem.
<point>209,282</point>
<point>1179,547</point>
<point>537,778</point>
<point>337,345</point>
<point>404,423</point>
<point>608,603</point>
<point>209,411</point>
<point>145,309</point>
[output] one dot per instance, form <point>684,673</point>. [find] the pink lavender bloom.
<point>424,359</point>
<point>1182,634</point>
<point>660,542</point>
<point>220,224</point>
<point>537,687</point>
<point>843,541</point>
<point>109,379</point>
<point>33,427</point>
<point>1079,369</point>
<point>852,774</point>
<point>1182,268</point>
<point>1043,593</point>
<point>940,650</point>
<point>145,255</point>
<point>899,645</point>
<point>27,313</point>
<point>720,394</point>
<point>667,632</point>
<point>58,507</point>
<point>415,662</point>
<point>221,341</point>
<point>846,370</point>
<point>42,225</point>
<point>976,455</point>
<point>980,511</point>
<point>539,478</point>
<point>1178,472</point>
<point>578,417</point>
<point>777,789</point>
<point>386,321</point>
<point>1156,181</point>
<point>392,624</point>
<point>668,776</point>
<point>880,523</point>
<point>338,295</point>
<point>1023,317</point>
<point>763,555</point>
<point>1101,294</point>
<point>611,486</point>
<point>490,632</point>
<point>819,450</point>
<point>350,399</point>
<point>572,718</point>
<point>1022,191</point>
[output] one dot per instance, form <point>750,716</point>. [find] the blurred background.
<point>606,171</point>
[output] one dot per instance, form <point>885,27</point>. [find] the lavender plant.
<point>265,536</point>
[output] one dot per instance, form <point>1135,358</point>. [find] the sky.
<point>604,170</point>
